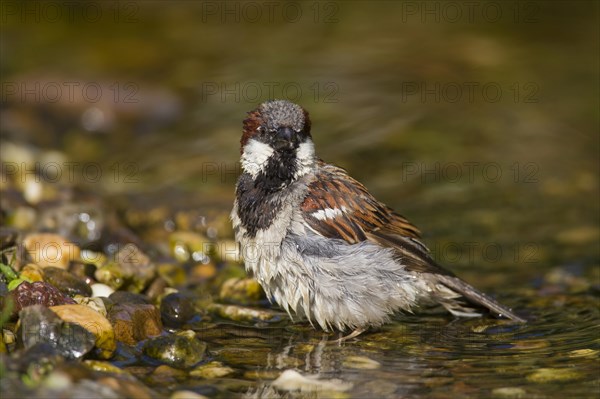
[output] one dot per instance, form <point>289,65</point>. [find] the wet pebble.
<point>187,395</point>
<point>545,375</point>
<point>240,313</point>
<point>361,362</point>
<point>211,370</point>
<point>509,392</point>
<point>32,272</point>
<point>84,271</point>
<point>104,366</point>
<point>165,375</point>
<point>7,341</point>
<point>100,289</point>
<point>591,353</point>
<point>66,282</point>
<point>38,324</point>
<point>46,249</point>
<point>38,293</point>
<point>111,275</point>
<point>92,321</point>
<point>176,309</point>
<point>243,291</point>
<point>136,265</point>
<point>180,350</point>
<point>291,380</point>
<point>132,298</point>
<point>94,303</point>
<point>134,323</point>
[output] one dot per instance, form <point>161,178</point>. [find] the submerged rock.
<point>166,375</point>
<point>361,362</point>
<point>291,380</point>
<point>180,350</point>
<point>37,361</point>
<point>240,313</point>
<point>545,375</point>
<point>211,370</point>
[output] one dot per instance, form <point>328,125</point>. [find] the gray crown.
<point>278,113</point>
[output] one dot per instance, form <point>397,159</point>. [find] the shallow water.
<point>504,187</point>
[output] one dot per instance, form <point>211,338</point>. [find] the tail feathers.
<point>474,297</point>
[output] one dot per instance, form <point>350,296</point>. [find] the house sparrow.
<point>321,245</point>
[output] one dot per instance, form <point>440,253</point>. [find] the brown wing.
<point>359,212</point>
<point>340,207</point>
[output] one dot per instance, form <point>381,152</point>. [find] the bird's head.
<point>276,144</point>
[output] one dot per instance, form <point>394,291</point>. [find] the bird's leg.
<point>353,334</point>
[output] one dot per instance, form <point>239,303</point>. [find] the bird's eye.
<point>260,129</point>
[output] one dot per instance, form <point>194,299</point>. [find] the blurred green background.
<point>478,121</point>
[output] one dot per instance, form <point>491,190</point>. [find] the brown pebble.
<point>135,322</point>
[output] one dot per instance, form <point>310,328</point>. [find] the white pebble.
<point>100,289</point>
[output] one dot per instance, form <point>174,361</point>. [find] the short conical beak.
<point>286,138</point>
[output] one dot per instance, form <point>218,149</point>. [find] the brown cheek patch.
<point>251,123</point>
<point>306,123</point>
